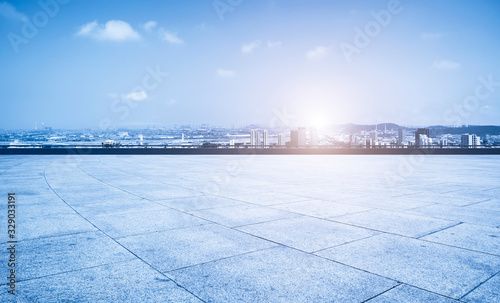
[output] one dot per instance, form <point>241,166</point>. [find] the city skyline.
<point>272,63</point>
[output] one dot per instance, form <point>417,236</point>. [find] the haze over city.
<point>94,64</point>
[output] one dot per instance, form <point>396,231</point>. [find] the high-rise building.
<point>374,136</point>
<point>423,140</point>
<point>401,136</point>
<point>443,141</point>
<point>470,140</point>
<point>420,132</point>
<point>476,140</point>
<point>302,136</point>
<point>313,136</point>
<point>294,137</point>
<point>281,139</point>
<point>254,137</point>
<point>265,138</point>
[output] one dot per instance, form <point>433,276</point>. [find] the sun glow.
<point>318,120</point>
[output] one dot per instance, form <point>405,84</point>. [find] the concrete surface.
<point>243,228</point>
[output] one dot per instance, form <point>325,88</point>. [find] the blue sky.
<point>96,64</point>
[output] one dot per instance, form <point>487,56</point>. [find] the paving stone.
<point>126,224</point>
<point>396,222</point>
<point>405,293</point>
<point>131,281</point>
<point>437,268</point>
<point>179,248</point>
<point>307,234</point>
<point>241,215</point>
<point>279,275</point>
<point>489,291</point>
<point>474,237</point>
<point>321,209</point>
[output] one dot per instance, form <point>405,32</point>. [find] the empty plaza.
<point>253,228</point>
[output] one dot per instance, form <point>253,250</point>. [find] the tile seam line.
<point>475,203</point>
<point>389,278</point>
<point>162,231</point>
<point>387,290</point>
<point>417,287</point>
<point>320,256</point>
<point>437,231</point>
<point>187,213</point>
<point>324,258</point>
<point>154,202</point>
<point>477,286</point>
<point>411,212</point>
<point>362,227</point>
<point>130,193</point>
<point>424,240</point>
<point>128,174</point>
<point>223,258</point>
<point>73,270</point>
<point>348,242</point>
<point>56,236</point>
<point>114,240</point>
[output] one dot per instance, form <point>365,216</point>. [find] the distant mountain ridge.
<point>435,130</point>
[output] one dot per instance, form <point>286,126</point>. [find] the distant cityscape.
<point>348,135</point>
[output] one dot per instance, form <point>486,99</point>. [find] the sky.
<point>110,64</point>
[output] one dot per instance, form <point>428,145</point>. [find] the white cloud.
<point>431,36</point>
<point>113,30</point>
<point>318,53</point>
<point>148,26</point>
<point>249,47</point>
<point>7,10</point>
<point>87,29</point>
<point>136,96</point>
<point>113,95</point>
<point>170,37</point>
<point>272,44</point>
<point>446,65</point>
<point>224,73</point>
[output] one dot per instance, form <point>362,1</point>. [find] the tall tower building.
<point>294,138</point>
<point>281,139</point>
<point>423,140</point>
<point>265,138</point>
<point>302,136</point>
<point>401,136</point>
<point>254,137</point>
<point>476,140</point>
<point>466,140</point>
<point>374,136</point>
<point>418,133</point>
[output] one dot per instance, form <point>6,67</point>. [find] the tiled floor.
<point>253,229</point>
